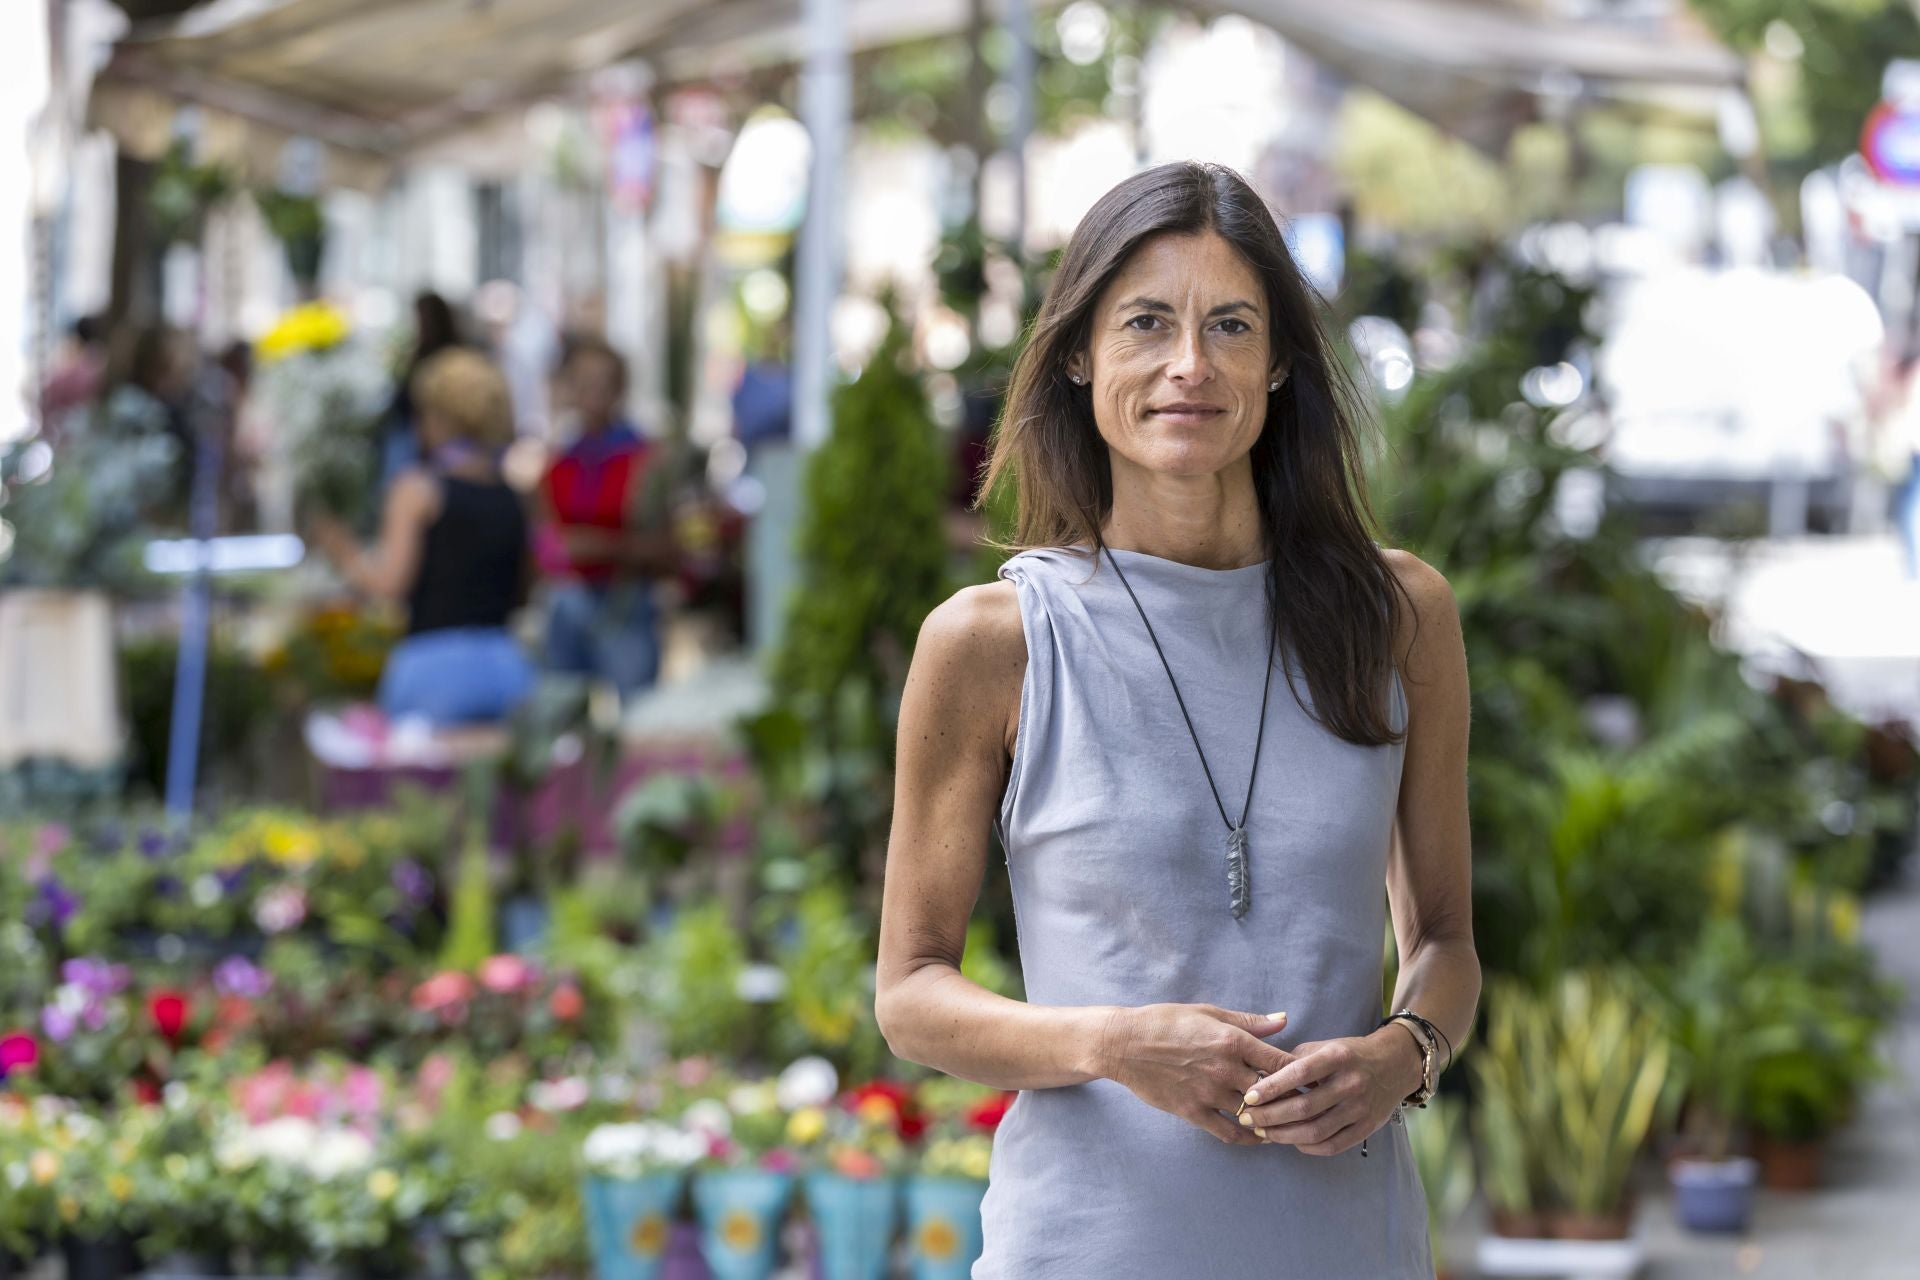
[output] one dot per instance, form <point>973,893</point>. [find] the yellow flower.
<point>119,1186</point>
<point>382,1183</point>
<point>806,1124</point>
<point>45,1166</point>
<point>311,326</point>
<point>1843,916</point>
<point>69,1209</point>
<point>876,1110</point>
<point>289,843</point>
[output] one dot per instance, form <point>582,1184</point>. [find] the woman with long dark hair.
<point>1220,732</point>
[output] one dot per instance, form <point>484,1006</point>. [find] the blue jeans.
<point>609,632</point>
<point>460,675</point>
<point>1906,518</point>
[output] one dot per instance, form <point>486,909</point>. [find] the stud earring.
<point>1077,379</point>
<point>1273,386</point>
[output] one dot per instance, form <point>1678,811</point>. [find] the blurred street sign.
<point>1890,139</point>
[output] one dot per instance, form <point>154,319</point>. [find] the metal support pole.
<point>190,675</point>
<point>1019,16</point>
<point>825,104</point>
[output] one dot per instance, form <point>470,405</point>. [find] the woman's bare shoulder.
<point>972,652</point>
<point>1430,630</point>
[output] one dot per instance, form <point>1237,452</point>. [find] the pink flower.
<point>442,992</point>
<point>779,1160</point>
<point>506,974</point>
<point>18,1052</point>
<point>693,1072</point>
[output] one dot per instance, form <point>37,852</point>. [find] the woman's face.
<point>1179,356</point>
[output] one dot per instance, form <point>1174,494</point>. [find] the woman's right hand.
<point>1193,1060</point>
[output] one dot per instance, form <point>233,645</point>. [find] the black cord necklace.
<point>1239,891</point>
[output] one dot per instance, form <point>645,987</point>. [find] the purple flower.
<point>155,843</point>
<point>58,1023</point>
<point>231,878</point>
<point>412,880</point>
<point>51,839</point>
<point>95,977</point>
<point>107,837</point>
<point>239,976</point>
<point>55,905</point>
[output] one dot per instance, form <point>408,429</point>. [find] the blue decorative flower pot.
<point>943,1226</point>
<point>1714,1195</point>
<point>740,1212</point>
<point>854,1220</point>
<point>629,1221</point>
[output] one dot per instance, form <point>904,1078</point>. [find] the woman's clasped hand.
<point>1210,1067</point>
<point>1194,1061</point>
<point>1331,1095</point>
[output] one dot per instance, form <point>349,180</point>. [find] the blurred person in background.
<point>598,549</point>
<point>1903,423</point>
<point>150,374</point>
<point>453,546</point>
<point>239,463</point>
<point>79,368</point>
<point>435,328</point>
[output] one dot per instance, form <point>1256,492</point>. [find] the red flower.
<point>566,1002</point>
<point>18,1052</point>
<point>146,1090</point>
<point>168,1009</point>
<point>988,1112</point>
<point>908,1120</point>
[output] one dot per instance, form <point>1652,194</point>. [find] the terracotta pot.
<point>1518,1224</point>
<point>1789,1166</point>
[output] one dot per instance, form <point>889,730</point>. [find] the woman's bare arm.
<point>961,697</point>
<point>1429,871</point>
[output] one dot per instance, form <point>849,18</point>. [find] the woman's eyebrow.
<point>1154,304</point>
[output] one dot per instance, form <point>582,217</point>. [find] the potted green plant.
<point>635,1171</point>
<point>1571,1080</point>
<point>1444,1156</point>
<point>1804,1089</point>
<point>947,1185</point>
<point>744,1183</point>
<point>1722,1025</point>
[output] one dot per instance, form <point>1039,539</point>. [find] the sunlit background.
<point>310,964</point>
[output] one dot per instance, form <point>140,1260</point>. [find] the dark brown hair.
<point>1325,567</point>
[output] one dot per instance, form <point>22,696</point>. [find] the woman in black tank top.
<point>453,544</point>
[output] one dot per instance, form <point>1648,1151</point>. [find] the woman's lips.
<point>1187,413</point>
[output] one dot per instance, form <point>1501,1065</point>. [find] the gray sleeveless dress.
<point>1116,854</point>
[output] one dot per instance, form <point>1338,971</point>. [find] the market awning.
<point>378,80</point>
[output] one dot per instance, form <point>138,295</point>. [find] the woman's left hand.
<point>1354,1083</point>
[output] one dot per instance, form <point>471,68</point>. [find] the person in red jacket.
<point>600,555</point>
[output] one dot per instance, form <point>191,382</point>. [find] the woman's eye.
<point>1244,327</point>
<point>1135,322</point>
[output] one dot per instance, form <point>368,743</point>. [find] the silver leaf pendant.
<point>1238,892</point>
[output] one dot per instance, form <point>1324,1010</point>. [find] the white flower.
<point>753,1099</point>
<point>205,890</point>
<point>280,909</point>
<point>503,1126</point>
<point>807,1082</point>
<point>760,983</point>
<point>559,1095</point>
<point>708,1116</point>
<point>339,1151</point>
<point>631,1149</point>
